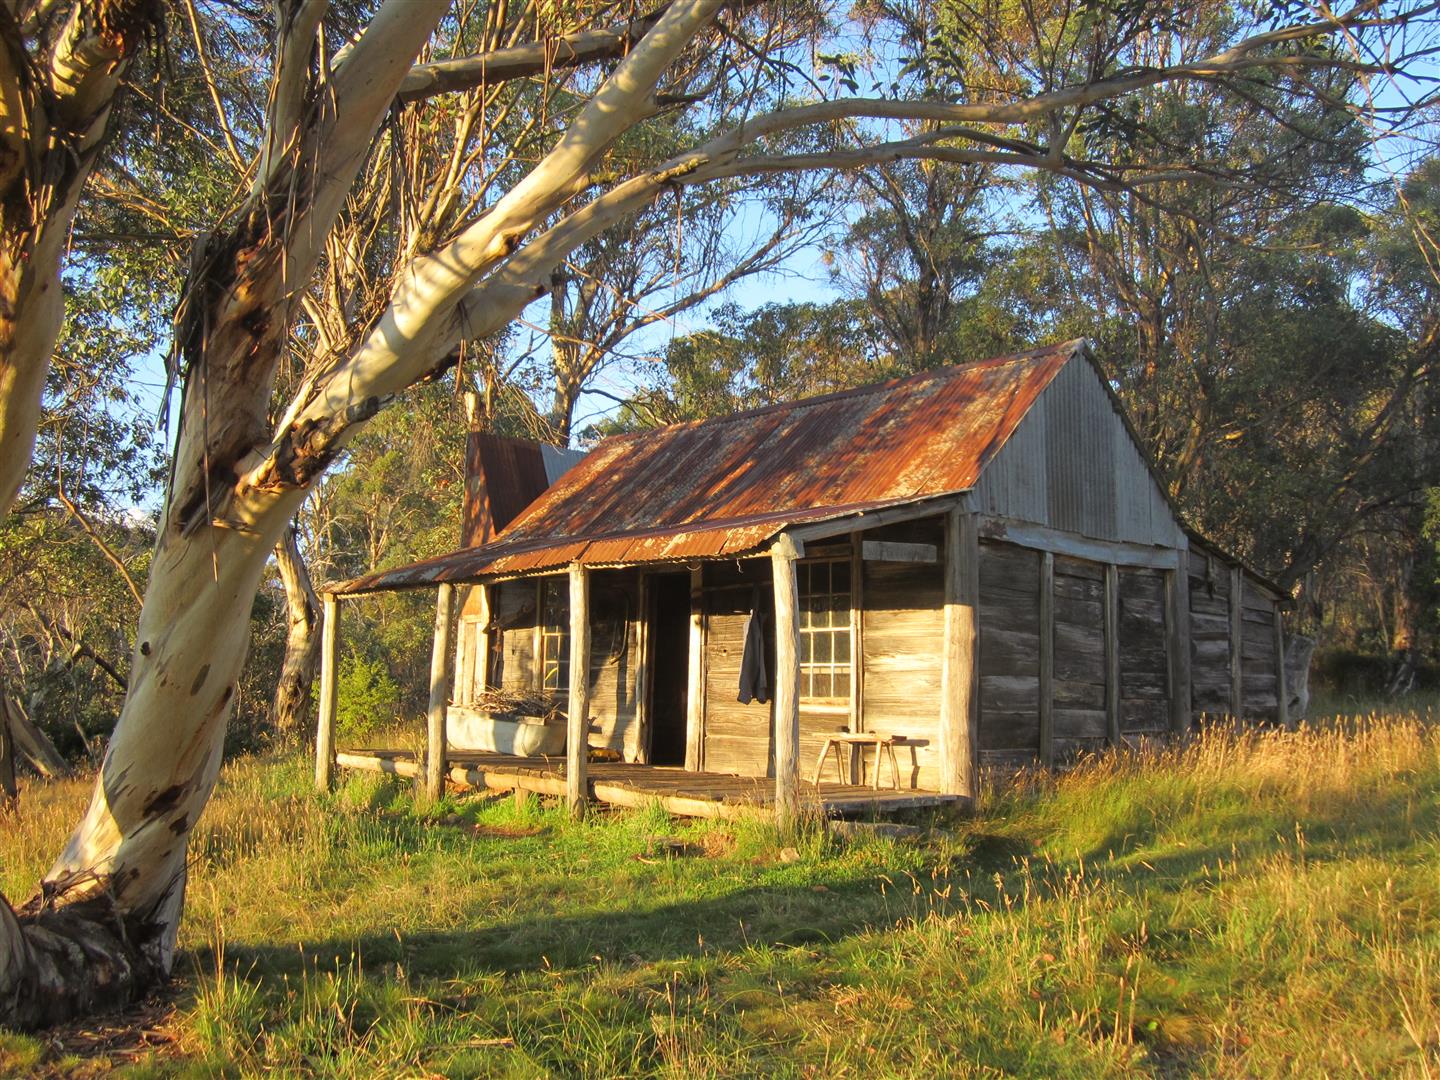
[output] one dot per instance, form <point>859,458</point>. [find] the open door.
<point>669,666</point>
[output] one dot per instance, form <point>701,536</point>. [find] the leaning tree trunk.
<point>103,926</point>
<point>289,712</point>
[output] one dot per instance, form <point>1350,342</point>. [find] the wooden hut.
<point>973,566</point>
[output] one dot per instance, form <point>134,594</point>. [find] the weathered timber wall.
<point>1072,465</point>
<point>1079,708</point>
<point>1212,646</point>
<point>738,738</point>
<point>1009,655</point>
<point>614,651</point>
<point>515,615</point>
<point>614,655</point>
<point>1209,635</point>
<point>1257,654</point>
<point>902,627</point>
<point>1144,664</point>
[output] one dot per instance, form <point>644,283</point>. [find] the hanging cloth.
<point>754,678</point>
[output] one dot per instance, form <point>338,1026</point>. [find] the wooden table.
<point>883,744</point>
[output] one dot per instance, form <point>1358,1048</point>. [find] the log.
<point>325,721</point>
<point>577,705</point>
<point>440,678</point>
<point>787,682</point>
<point>960,670</point>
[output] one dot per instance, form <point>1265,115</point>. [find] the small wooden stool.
<point>857,740</point>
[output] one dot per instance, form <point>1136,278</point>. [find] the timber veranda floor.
<point>680,791</point>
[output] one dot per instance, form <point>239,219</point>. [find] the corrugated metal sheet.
<point>503,476</point>
<point>729,485</point>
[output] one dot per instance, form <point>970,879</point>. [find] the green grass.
<point>1266,905</point>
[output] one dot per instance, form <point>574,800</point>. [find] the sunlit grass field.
<point>1265,904</point>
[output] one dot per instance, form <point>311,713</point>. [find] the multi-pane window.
<point>554,636</point>
<point>825,630</point>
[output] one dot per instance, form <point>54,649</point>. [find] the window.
<point>554,636</point>
<point>825,630</point>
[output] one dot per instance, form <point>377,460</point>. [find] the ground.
<point>1250,906</point>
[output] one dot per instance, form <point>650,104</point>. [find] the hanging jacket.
<point>754,678</point>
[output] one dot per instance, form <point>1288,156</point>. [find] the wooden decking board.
<point>702,794</point>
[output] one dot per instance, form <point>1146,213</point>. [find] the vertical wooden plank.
<point>483,643</point>
<point>1177,644</point>
<point>465,635</point>
<point>695,681</point>
<point>440,675</point>
<point>577,705</point>
<point>538,664</point>
<point>1282,692</point>
<point>643,664</point>
<point>1047,659</point>
<point>960,669</point>
<point>787,682</point>
<point>1237,641</point>
<point>325,722</point>
<point>1112,654</point>
<point>857,632</point>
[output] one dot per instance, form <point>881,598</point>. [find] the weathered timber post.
<point>695,675</point>
<point>440,672</point>
<point>787,682</point>
<point>1177,644</point>
<point>325,722</point>
<point>1237,643</point>
<point>481,663</point>
<point>960,670</point>
<point>1047,659</point>
<point>1112,654</point>
<point>1282,692</point>
<point>643,720</point>
<point>577,707</point>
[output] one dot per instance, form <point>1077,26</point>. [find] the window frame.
<point>839,626</point>
<point>552,590</point>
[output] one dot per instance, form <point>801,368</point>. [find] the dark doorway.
<point>670,667</point>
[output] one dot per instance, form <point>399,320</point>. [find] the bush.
<point>369,698</point>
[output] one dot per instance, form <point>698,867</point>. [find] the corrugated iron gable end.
<point>727,486</point>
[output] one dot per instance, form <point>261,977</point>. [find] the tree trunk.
<point>102,930</point>
<point>289,713</point>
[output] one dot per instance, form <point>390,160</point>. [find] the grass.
<point>1256,905</point>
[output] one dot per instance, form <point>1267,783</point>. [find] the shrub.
<point>369,698</point>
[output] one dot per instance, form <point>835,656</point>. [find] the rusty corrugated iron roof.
<point>727,486</point>
<point>503,476</point>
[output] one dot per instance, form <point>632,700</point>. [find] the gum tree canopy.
<point>620,108</point>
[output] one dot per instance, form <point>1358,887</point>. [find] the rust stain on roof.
<point>727,486</point>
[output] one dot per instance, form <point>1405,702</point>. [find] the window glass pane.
<point>805,684</point>
<point>841,686</point>
<point>840,577</point>
<point>822,684</point>
<point>842,648</point>
<point>821,649</point>
<point>807,648</point>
